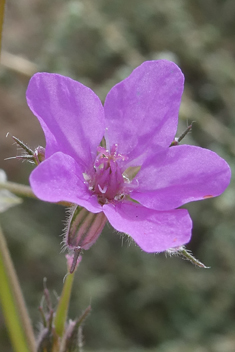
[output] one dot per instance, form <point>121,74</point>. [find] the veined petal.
<point>71,115</point>
<point>181,175</point>
<point>153,231</point>
<point>59,178</point>
<point>141,112</point>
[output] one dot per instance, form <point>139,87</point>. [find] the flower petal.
<point>153,231</point>
<point>142,111</point>
<point>70,114</point>
<point>59,178</point>
<point>183,174</point>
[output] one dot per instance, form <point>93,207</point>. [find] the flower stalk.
<point>62,309</point>
<point>60,334</point>
<point>63,305</point>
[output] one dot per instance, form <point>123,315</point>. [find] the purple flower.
<point>134,180</point>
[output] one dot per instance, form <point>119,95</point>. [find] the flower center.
<point>107,181</point>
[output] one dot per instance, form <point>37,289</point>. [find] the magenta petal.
<point>183,174</point>
<point>70,114</point>
<point>153,231</point>
<point>142,111</point>
<point>59,178</point>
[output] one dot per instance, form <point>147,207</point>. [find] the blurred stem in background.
<point>13,62</point>
<point>17,189</point>
<point>13,306</point>
<point>23,191</point>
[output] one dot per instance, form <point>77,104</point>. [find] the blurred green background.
<point>140,302</point>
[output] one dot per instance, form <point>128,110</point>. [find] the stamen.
<point>113,150</point>
<point>86,177</point>
<point>104,189</point>
<point>107,181</point>
<point>106,139</point>
<point>102,150</point>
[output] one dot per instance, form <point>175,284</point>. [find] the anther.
<point>102,190</point>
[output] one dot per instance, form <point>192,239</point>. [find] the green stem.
<point>17,189</point>
<point>13,305</point>
<point>2,7</point>
<point>62,309</point>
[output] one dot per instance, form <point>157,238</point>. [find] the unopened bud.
<point>177,141</point>
<point>83,230</point>
<point>36,156</point>
<point>45,340</point>
<point>73,333</point>
<point>39,154</point>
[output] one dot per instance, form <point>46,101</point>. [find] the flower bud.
<point>45,340</point>
<point>84,228</point>
<point>34,156</point>
<point>73,334</point>
<point>39,154</point>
